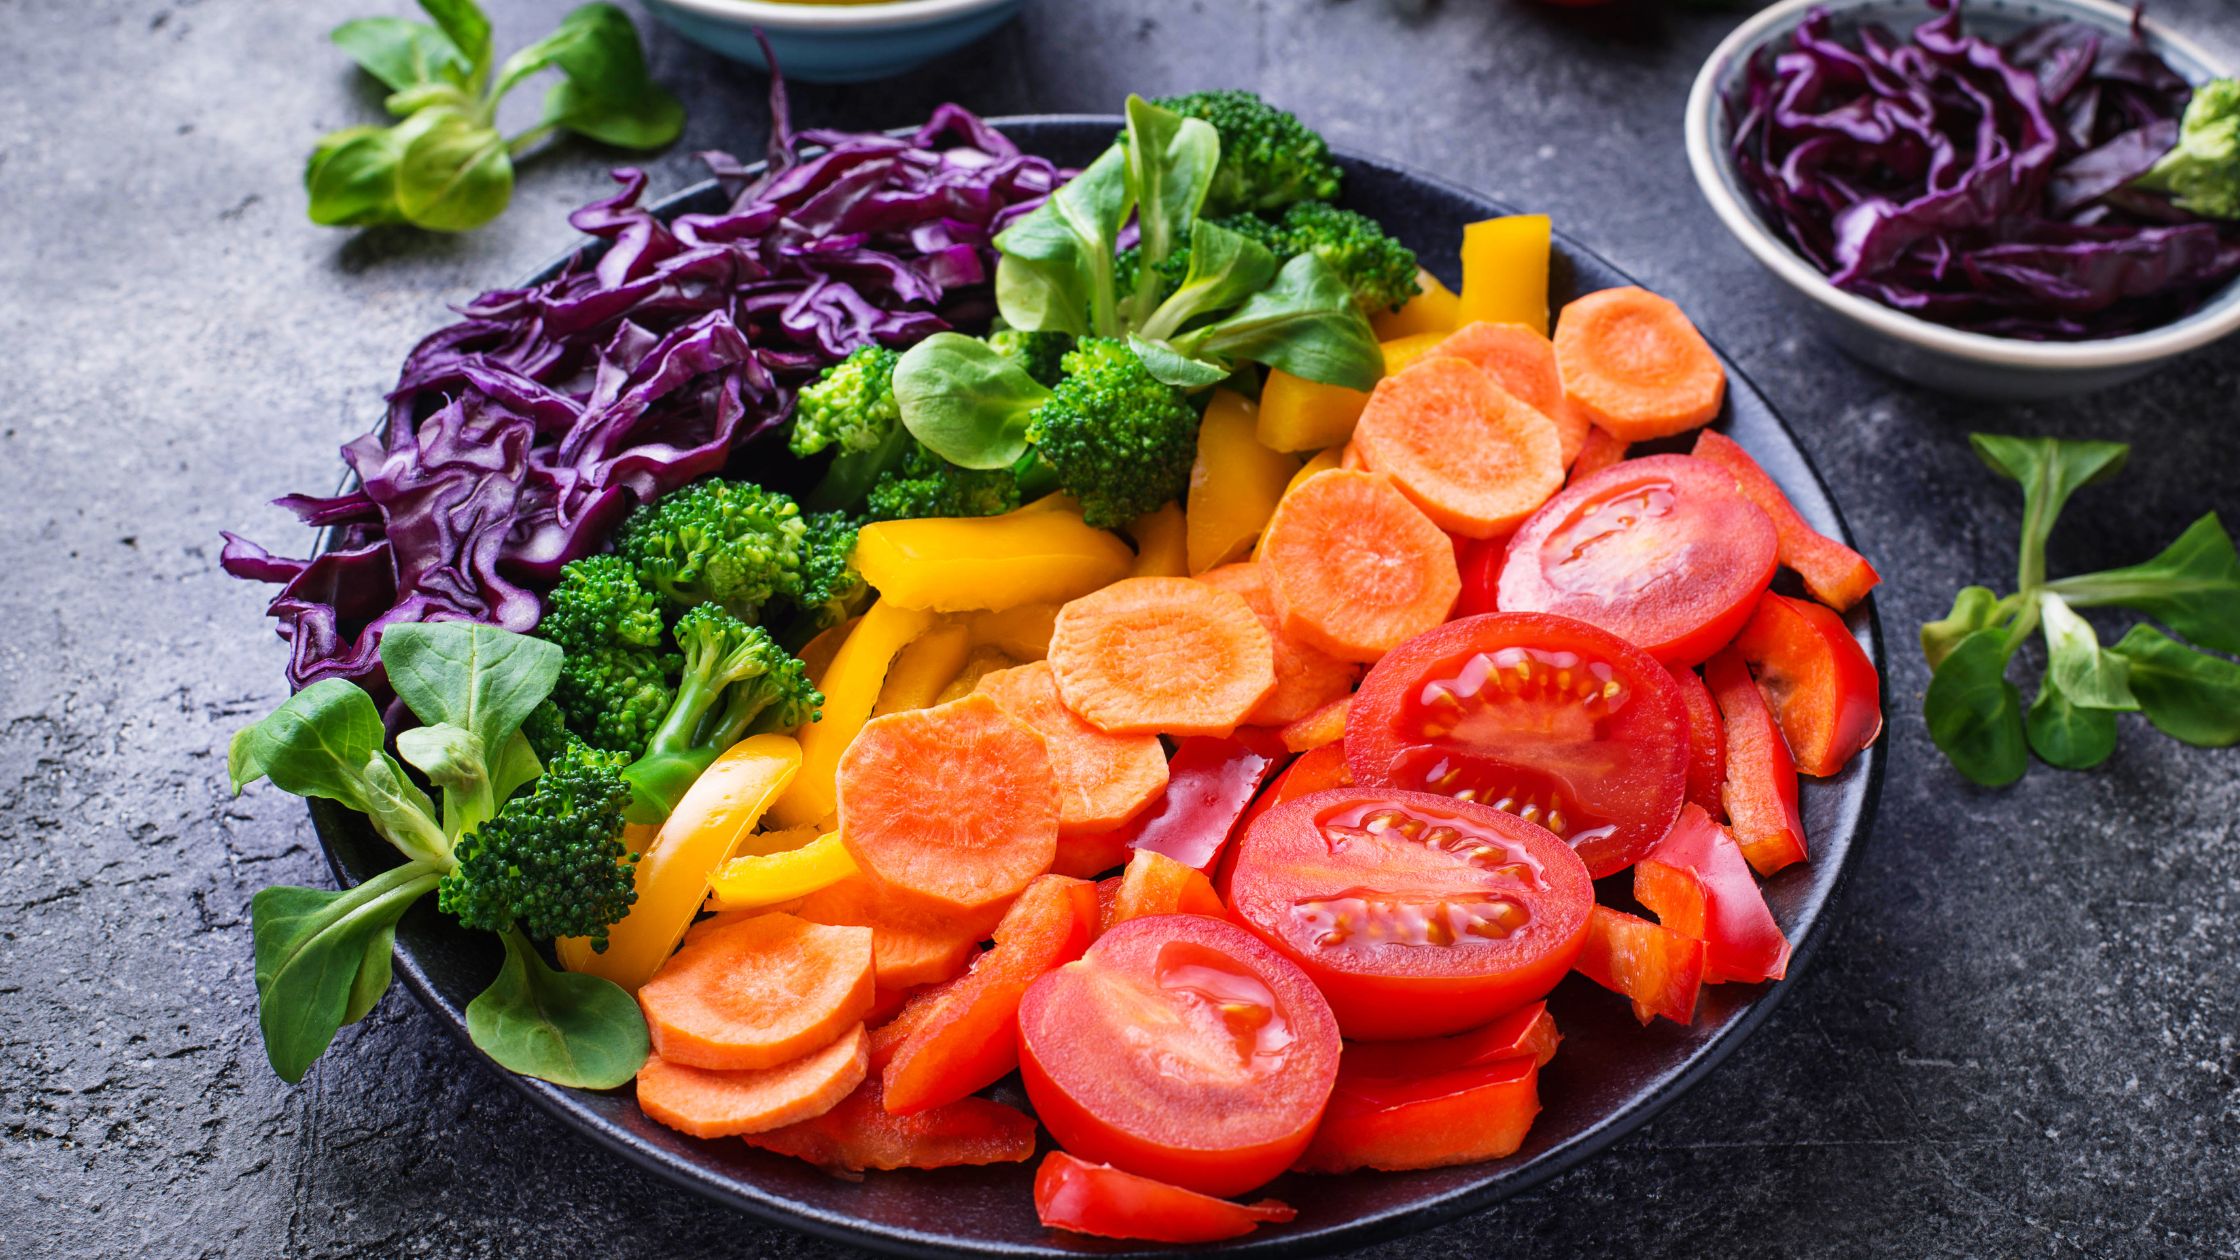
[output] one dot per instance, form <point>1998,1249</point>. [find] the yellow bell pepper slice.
<point>758,882</point>
<point>1434,309</point>
<point>923,668</point>
<point>1401,353</point>
<point>720,809</point>
<point>816,655</point>
<point>1505,271</point>
<point>1302,415</point>
<point>851,687</point>
<point>1021,632</point>
<point>1234,484</point>
<point>778,840</point>
<point>985,660</point>
<point>963,565</point>
<point>1161,549</point>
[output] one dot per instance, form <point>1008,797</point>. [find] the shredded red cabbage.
<point>1976,185</point>
<point>517,437</point>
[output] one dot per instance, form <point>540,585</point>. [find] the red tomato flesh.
<point>1760,794</point>
<point>1817,679</point>
<point>1424,1119</point>
<point>1099,1199</point>
<point>1707,740</point>
<point>1415,914</point>
<point>1550,719</point>
<point>1661,970</point>
<point>1697,883</point>
<point>1182,1048</point>
<point>1662,551</point>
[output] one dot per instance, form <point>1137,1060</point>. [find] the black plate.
<point>1610,1078</point>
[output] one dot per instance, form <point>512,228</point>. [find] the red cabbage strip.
<point>1976,185</point>
<point>517,437</point>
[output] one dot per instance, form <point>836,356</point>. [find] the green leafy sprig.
<point>445,166</point>
<point>1976,715</point>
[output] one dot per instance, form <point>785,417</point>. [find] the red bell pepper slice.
<point>1210,783</point>
<point>1099,1199</point>
<point>1480,560</point>
<point>1835,574</point>
<point>1316,770</point>
<point>1661,970</point>
<point>1421,1116</point>
<point>1707,741</point>
<point>1818,680</point>
<point>1697,883</point>
<point>860,1133</point>
<point>1527,1032</point>
<point>1761,789</point>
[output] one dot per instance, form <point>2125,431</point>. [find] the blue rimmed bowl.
<point>1926,353</point>
<point>835,43</point>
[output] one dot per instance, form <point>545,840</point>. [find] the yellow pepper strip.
<point>851,688</point>
<point>817,654</point>
<point>1505,272</point>
<point>1435,309</point>
<point>1234,484</point>
<point>962,565</point>
<point>776,840</point>
<point>758,882</point>
<point>1056,501</point>
<point>1302,415</point>
<point>722,806</point>
<point>923,668</point>
<point>1401,353</point>
<point>1161,550</point>
<point>985,660</point>
<point>1021,632</point>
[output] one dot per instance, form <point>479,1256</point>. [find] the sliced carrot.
<point>1307,678</point>
<point>887,1001</point>
<point>757,993</point>
<point>1157,884</point>
<point>1520,359</point>
<point>913,942</point>
<point>860,1133</point>
<point>1319,729</point>
<point>955,804</point>
<point>1474,457</point>
<point>1162,543</point>
<point>1355,568</point>
<point>967,1036</point>
<point>1833,573</point>
<point>1635,364</point>
<point>1599,450</point>
<point>1158,655</point>
<point>1090,854</point>
<point>1103,779</point>
<point>1349,458</point>
<point>712,1104</point>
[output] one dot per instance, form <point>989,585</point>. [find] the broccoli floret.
<point>1127,269</point>
<point>1037,353</point>
<point>1119,440</point>
<point>551,861</point>
<point>731,543</point>
<point>546,729</point>
<point>2202,174</point>
<point>614,678</point>
<point>831,591</point>
<point>737,680</point>
<point>851,411</point>
<point>1379,270</point>
<point>928,485</point>
<point>1269,158</point>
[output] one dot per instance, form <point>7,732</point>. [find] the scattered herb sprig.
<point>1976,716</point>
<point>445,166</point>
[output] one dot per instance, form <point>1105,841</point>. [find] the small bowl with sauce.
<point>823,41</point>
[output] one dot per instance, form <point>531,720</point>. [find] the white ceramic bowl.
<point>1932,354</point>
<point>835,43</point>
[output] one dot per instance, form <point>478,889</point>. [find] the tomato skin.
<point>1697,883</point>
<point>1086,1198</point>
<point>1097,1049</point>
<point>1425,1120</point>
<point>1616,780</point>
<point>1662,551</point>
<point>1481,560</point>
<point>1660,969</point>
<point>1707,741</point>
<point>1823,690</point>
<point>1337,888</point>
<point>1760,794</point>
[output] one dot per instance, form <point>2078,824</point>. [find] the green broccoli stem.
<point>851,474</point>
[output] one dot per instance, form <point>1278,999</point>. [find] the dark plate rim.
<point>1637,1109</point>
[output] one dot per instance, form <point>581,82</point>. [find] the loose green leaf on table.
<point>577,1030</point>
<point>1974,608</point>
<point>2075,662</point>
<point>2067,735</point>
<point>2050,471</point>
<point>1975,714</point>
<point>2193,586</point>
<point>403,53</point>
<point>2188,695</point>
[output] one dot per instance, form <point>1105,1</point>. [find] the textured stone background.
<point>2019,1041</point>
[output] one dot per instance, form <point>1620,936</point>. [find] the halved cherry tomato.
<point>1823,689</point>
<point>1418,1118</point>
<point>1663,552</point>
<point>1760,794</point>
<point>1315,770</point>
<point>1660,969</point>
<point>1547,718</point>
<point>1480,560</point>
<point>1697,883</point>
<point>1707,740</point>
<point>1183,1048</point>
<point>1415,914</point>
<point>1099,1199</point>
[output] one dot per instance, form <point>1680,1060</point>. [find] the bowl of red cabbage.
<point>2003,198</point>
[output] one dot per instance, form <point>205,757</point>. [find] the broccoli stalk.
<point>850,410</point>
<point>2202,174</point>
<point>736,680</point>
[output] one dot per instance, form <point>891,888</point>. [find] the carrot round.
<point>1158,655</point>
<point>1355,568</point>
<point>712,1104</point>
<point>1636,365</point>
<point>913,942</point>
<point>1473,456</point>
<point>1519,359</point>
<point>1103,779</point>
<point>757,993</point>
<point>1306,677</point>
<point>955,804</point>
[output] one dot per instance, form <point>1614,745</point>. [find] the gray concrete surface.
<point>2020,1042</point>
